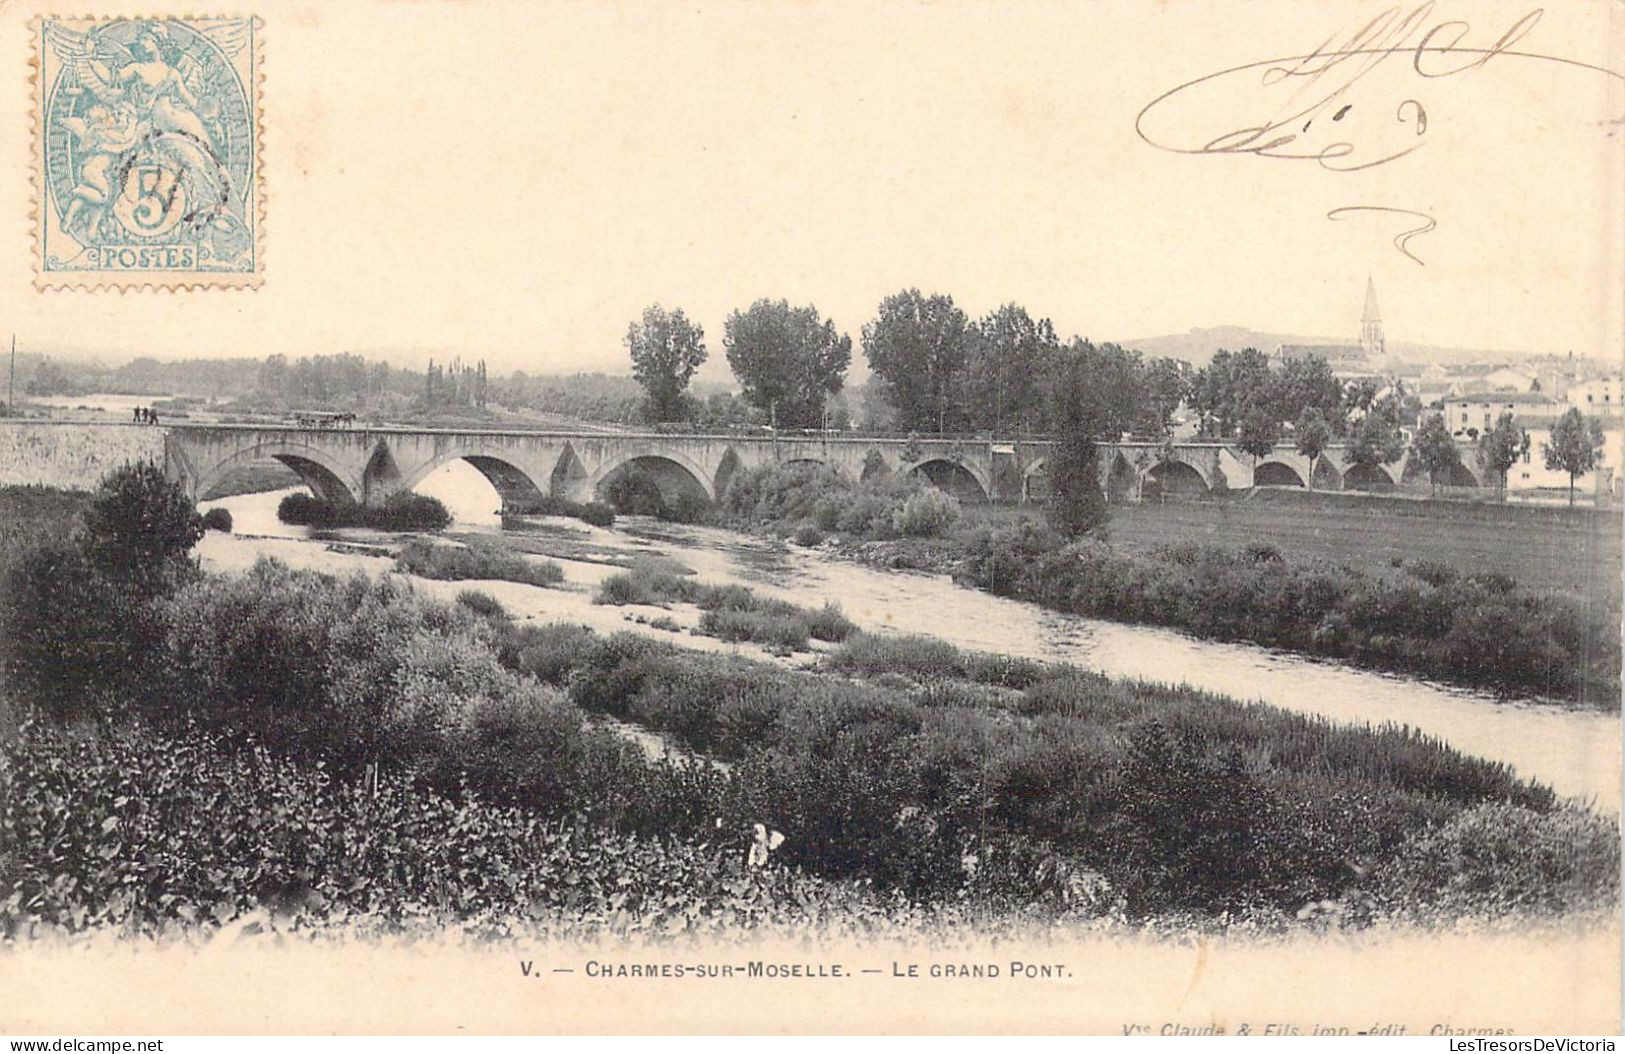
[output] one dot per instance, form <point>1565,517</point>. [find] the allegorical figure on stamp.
<point>148,144</point>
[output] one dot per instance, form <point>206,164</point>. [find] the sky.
<point>516,181</point>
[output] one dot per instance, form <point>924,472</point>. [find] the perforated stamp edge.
<point>144,281</point>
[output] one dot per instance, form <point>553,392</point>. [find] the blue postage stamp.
<point>147,152</point>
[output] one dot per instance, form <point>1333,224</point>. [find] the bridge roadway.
<point>368,464</point>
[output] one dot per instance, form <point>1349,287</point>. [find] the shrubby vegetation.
<point>482,603</point>
<point>926,513</point>
<point>284,741</point>
<point>635,493</point>
<point>403,511</point>
<point>732,612</point>
<point>791,497</point>
<point>478,560</point>
<point>73,614</point>
<point>1115,796</point>
<point>1479,629</point>
<point>217,520</point>
<point>235,832</point>
<point>595,513</point>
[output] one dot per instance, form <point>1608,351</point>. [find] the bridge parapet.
<point>368,464</point>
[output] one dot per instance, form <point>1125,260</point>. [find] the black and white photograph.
<point>785,517</point>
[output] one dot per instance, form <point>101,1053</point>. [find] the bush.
<point>1194,829</point>
<point>477,560</point>
<point>1261,553</point>
<point>925,659</point>
<point>1499,859</point>
<point>626,587</point>
<point>927,513</point>
<point>217,520</point>
<point>687,508</point>
<point>402,511</point>
<point>783,631</point>
<point>71,635</point>
<point>785,497</point>
<point>77,633</point>
<point>548,653</point>
<point>481,603</point>
<point>303,510</point>
<point>140,524</point>
<point>919,658</point>
<point>633,493</point>
<point>1435,574</point>
<point>808,535</point>
<point>355,670</point>
<point>595,513</point>
<point>829,624</point>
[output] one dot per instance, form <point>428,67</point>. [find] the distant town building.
<point>1507,379</point>
<point>1531,474</point>
<point>1372,343</point>
<point>1469,416</point>
<point>1349,361</point>
<point>1598,397</point>
<point>1472,415</point>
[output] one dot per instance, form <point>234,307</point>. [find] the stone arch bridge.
<point>369,464</point>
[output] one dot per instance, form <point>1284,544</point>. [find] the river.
<point>1575,752</point>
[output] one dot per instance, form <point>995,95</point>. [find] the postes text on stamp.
<point>146,153</point>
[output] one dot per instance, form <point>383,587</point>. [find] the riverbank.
<point>1013,790</point>
<point>1574,751</point>
<point>969,801</point>
<point>1474,627</point>
<point>1548,551</point>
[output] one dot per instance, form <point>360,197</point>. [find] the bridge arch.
<point>1462,476</point>
<point>957,478</point>
<point>1457,475</point>
<point>1175,479</point>
<point>513,482</point>
<point>326,476</point>
<point>1367,477</point>
<point>1276,474</point>
<point>673,472</point>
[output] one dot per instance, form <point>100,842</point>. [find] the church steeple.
<point>1371,339</point>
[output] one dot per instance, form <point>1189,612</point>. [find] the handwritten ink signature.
<point>1302,88</point>
<point>1348,87</point>
<point>1428,223</point>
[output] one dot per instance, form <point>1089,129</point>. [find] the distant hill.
<point>1198,345</point>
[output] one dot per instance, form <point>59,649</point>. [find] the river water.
<point>1577,753</point>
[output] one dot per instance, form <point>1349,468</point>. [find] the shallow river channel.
<point>1575,752</point>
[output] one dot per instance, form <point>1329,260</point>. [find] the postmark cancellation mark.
<point>147,152</point>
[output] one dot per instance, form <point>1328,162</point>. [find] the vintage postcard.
<point>970,516</point>
<point>147,152</point>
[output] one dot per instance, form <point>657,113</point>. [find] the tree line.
<point>940,371</point>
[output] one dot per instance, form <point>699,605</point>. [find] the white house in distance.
<point>1598,397</point>
<point>1469,416</point>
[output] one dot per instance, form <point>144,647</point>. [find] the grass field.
<point>1548,550</point>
